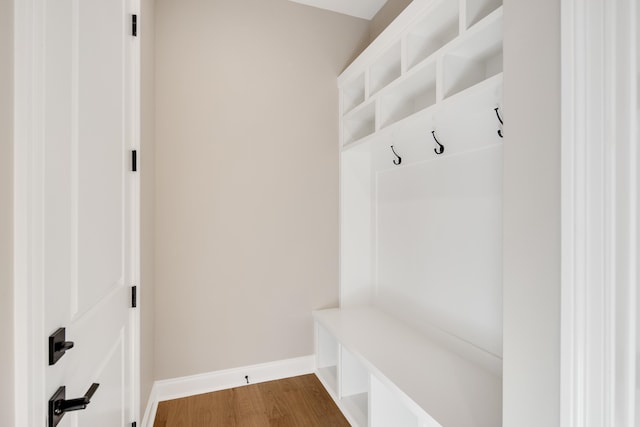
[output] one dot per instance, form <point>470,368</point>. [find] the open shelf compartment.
<point>477,10</point>
<point>354,387</point>
<point>388,410</point>
<point>477,57</point>
<point>438,28</point>
<point>353,94</point>
<point>359,123</point>
<point>327,359</point>
<point>413,94</point>
<point>385,70</point>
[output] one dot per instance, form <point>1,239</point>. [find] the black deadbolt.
<point>58,346</point>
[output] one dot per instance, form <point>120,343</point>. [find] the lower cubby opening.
<point>354,387</point>
<point>388,410</point>
<point>327,359</point>
<point>356,408</point>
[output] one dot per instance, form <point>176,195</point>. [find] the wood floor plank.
<point>290,402</point>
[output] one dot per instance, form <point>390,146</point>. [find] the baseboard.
<point>176,388</point>
<point>150,411</point>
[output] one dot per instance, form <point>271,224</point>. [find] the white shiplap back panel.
<point>439,244</point>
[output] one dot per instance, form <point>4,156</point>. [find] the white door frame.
<point>30,352</point>
<point>599,213</point>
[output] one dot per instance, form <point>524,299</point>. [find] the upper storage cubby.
<point>353,94</point>
<point>411,95</point>
<point>436,29</point>
<point>385,70</point>
<point>433,50</point>
<point>477,10</point>
<point>474,58</point>
<point>359,123</point>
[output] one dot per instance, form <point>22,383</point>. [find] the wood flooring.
<point>292,402</point>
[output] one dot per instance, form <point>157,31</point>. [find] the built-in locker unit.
<point>417,339</point>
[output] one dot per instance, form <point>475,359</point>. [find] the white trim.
<point>176,388</point>
<point>599,235</point>
<point>134,93</point>
<point>29,352</point>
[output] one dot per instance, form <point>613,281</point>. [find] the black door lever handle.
<point>59,405</point>
<point>63,405</point>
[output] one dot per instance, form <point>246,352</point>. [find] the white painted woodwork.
<point>433,375</point>
<point>78,198</point>
<point>388,410</point>
<point>327,359</point>
<point>354,386</point>
<point>417,339</point>
<point>600,213</point>
<point>439,247</point>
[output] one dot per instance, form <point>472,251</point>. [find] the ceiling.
<point>365,9</point>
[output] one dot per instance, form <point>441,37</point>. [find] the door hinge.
<point>134,25</point>
<point>134,160</point>
<point>134,296</point>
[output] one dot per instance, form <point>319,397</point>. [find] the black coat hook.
<point>398,160</point>
<point>497,110</point>
<point>440,149</point>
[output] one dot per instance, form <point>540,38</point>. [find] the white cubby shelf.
<point>434,57</point>
<point>417,338</point>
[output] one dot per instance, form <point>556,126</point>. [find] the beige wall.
<point>6,211</point>
<point>531,213</point>
<point>147,199</point>
<point>246,178</point>
<point>385,16</point>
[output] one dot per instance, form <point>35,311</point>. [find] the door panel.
<point>88,243</point>
<point>101,195</point>
<point>112,390</point>
<point>58,168</point>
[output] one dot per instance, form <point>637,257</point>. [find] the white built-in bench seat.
<point>381,370</point>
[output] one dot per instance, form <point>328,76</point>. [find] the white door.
<point>89,230</point>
